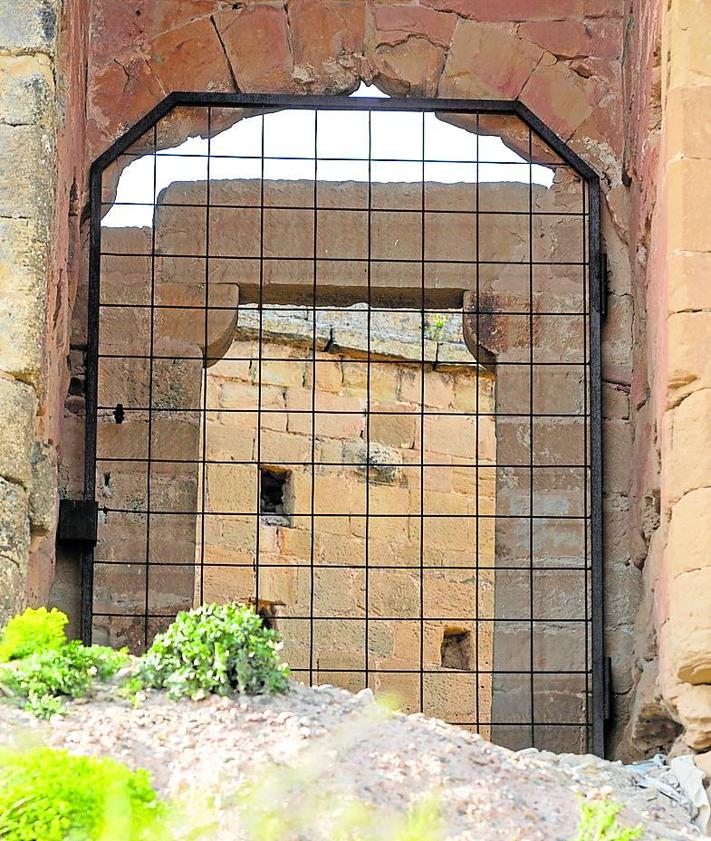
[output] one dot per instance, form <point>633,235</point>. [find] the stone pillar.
<point>29,124</point>
<point>683,315</point>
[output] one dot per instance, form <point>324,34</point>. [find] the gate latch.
<point>78,521</point>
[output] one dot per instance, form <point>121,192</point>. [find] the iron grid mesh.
<point>458,569</point>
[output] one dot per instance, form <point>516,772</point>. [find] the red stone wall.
<point>63,270</point>
<point>562,58</point>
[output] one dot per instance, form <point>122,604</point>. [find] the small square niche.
<point>456,649</point>
<point>273,495</point>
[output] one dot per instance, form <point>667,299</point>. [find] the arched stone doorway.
<point>522,295</point>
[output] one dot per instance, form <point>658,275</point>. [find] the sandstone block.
<point>508,10</point>
<point>393,430</point>
<point>689,541</point>
<point>23,273</point>
<point>11,590</point>
<point>26,88</point>
<point>650,725</point>
<point>29,25</point>
<point>411,68</point>
<point>17,412</point>
<point>689,204</point>
<point>689,364</point>
<point>325,33</point>
<point>26,151</point>
<point>257,44</point>
<point>395,22</point>
<point>689,640</point>
<point>43,492</point>
<point>559,96</point>
<point>14,524</point>
<point>694,711</point>
<point>474,69</point>
<point>685,443</point>
<point>689,22</point>
<point>688,129</point>
<point>688,275</point>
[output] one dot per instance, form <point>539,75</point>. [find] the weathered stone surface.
<point>473,68</point>
<point>689,287</point>
<point>689,626</point>
<point>688,134</point>
<point>14,525</point>
<point>650,726</point>
<point>689,205</point>
<point>686,435</point>
<point>690,532</point>
<point>509,10</point>
<point>689,366</point>
<point>12,596</point>
<point>26,88</point>
<point>694,711</point>
<point>559,96</point>
<point>22,291</point>
<point>412,68</point>
<point>197,46</point>
<point>29,25</point>
<point>43,492</point>
<point>17,411</point>
<point>395,23</point>
<point>327,42</point>
<point>26,150</point>
<point>256,40</point>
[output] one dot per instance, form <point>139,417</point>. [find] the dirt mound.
<point>327,747</point>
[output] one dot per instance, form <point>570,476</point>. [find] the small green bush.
<point>216,649</point>
<point>39,666</point>
<point>50,795</point>
<point>34,630</point>
<point>44,678</point>
<point>599,823</point>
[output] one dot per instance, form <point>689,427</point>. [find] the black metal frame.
<point>594,304</point>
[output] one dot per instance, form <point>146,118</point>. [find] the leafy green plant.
<point>435,327</point>
<point>53,796</point>
<point>45,677</point>
<point>215,649</point>
<point>32,631</point>
<point>39,666</point>
<point>599,823</point>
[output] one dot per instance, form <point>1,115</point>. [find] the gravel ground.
<point>345,748</point>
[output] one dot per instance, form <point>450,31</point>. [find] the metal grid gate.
<point>343,363</point>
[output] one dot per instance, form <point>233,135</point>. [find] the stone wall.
<point>226,550</point>
<point>174,388</point>
<point>42,87</point>
<point>567,66</point>
<point>670,164</point>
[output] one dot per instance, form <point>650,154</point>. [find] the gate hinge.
<point>607,688</point>
<point>78,521</point>
<point>604,284</point>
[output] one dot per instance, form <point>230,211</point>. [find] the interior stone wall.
<point>226,552</point>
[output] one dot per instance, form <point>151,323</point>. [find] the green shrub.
<point>599,823</point>
<point>42,679</point>
<point>34,630</point>
<point>215,649</point>
<point>53,796</point>
<point>39,666</point>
